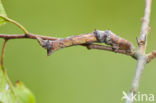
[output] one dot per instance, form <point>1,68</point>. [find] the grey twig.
<point>141,56</point>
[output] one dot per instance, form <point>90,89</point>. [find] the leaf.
<point>2,13</point>
<point>17,94</point>
<point>23,93</point>
<point>5,92</point>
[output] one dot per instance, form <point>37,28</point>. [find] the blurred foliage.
<point>75,74</point>
<point>2,13</point>
<point>23,93</point>
<point>6,93</point>
<point>17,94</point>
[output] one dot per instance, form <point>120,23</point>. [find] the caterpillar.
<point>113,40</point>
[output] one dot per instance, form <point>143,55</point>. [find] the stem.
<point>2,54</point>
<point>16,23</point>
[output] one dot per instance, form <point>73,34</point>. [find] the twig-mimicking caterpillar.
<point>115,41</point>
<point>107,37</point>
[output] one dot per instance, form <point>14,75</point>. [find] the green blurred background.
<point>75,74</point>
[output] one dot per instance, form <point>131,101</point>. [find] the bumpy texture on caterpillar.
<point>113,40</point>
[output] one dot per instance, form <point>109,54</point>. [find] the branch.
<point>86,40</point>
<point>22,36</point>
<point>141,56</point>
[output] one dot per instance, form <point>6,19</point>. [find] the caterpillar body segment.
<point>113,40</point>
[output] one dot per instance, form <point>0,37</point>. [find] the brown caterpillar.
<point>115,41</point>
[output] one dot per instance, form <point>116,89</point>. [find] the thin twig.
<point>16,23</point>
<point>22,36</point>
<point>2,62</point>
<point>2,55</point>
<point>142,57</point>
<point>108,48</point>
